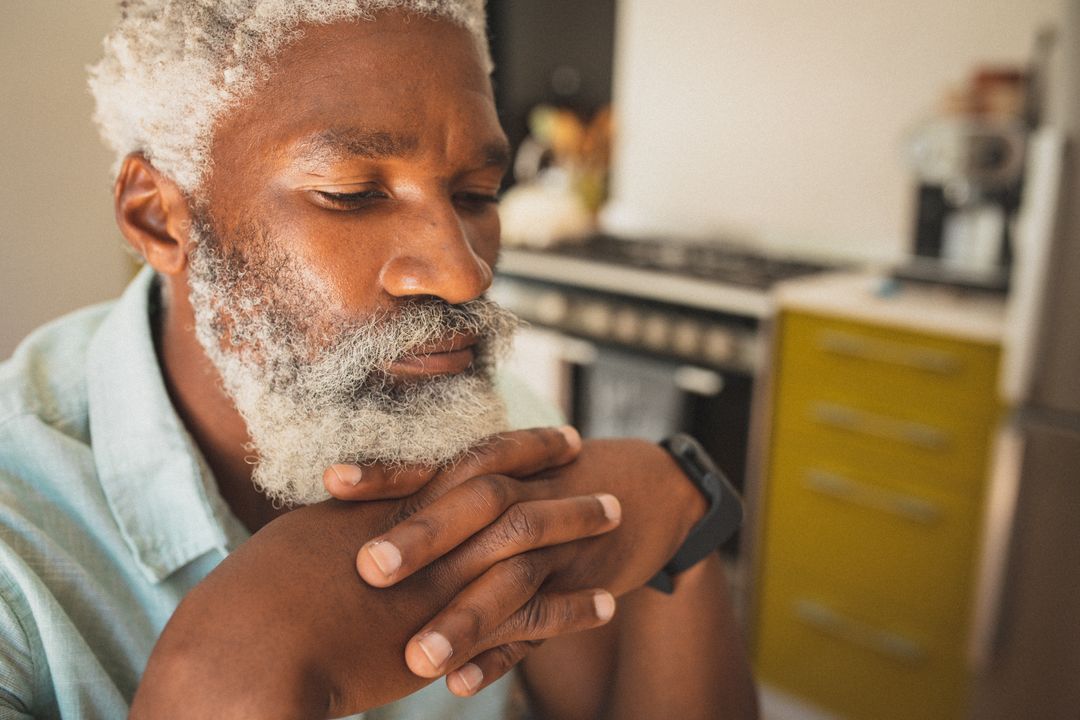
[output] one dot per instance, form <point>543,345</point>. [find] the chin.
<point>429,421</point>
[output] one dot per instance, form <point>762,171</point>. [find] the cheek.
<point>337,258</point>
<point>343,261</point>
<point>484,236</point>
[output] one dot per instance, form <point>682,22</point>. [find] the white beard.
<point>312,403</point>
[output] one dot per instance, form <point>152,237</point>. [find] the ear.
<point>153,214</point>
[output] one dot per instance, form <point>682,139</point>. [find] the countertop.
<point>968,315</point>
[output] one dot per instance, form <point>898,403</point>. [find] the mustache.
<point>354,361</point>
<point>402,332</point>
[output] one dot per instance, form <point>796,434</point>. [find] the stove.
<point>707,261</point>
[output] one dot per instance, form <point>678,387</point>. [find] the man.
<point>311,185</point>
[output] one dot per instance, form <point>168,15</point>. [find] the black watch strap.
<point>721,520</point>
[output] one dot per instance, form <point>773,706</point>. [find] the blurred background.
<point>835,240</point>
<point>59,247</point>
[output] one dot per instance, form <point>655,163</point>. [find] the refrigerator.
<point>1026,646</point>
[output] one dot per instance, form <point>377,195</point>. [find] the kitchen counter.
<point>876,299</point>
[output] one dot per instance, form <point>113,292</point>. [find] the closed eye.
<point>476,202</point>
<point>348,201</point>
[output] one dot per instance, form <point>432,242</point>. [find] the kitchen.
<point>780,271</point>
<point>803,261</point>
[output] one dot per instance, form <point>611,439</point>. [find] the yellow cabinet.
<point>870,514</point>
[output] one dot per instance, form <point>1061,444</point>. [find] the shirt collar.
<point>150,470</point>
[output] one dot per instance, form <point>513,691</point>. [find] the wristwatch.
<point>721,520</point>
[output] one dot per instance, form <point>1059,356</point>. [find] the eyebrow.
<point>341,143</point>
<point>497,154</point>
<point>336,144</point>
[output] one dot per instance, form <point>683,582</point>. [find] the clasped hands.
<point>532,535</point>
<point>489,517</point>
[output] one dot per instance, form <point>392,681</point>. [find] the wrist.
<point>691,500</point>
<point>722,516</point>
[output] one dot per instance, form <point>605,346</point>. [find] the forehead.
<point>398,78</point>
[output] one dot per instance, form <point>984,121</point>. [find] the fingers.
<point>375,482</point>
<point>519,453</point>
<point>498,608</point>
<point>567,614</point>
<point>488,508</point>
<point>487,667</point>
<point>540,523</point>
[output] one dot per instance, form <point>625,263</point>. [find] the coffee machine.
<point>969,178</point>
<point>968,162</point>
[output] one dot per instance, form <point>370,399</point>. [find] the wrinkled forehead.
<point>398,84</point>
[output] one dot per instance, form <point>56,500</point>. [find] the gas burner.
<point>701,260</point>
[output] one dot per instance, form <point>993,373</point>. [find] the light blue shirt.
<point>108,516</point>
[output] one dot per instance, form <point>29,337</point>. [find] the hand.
<point>501,519</point>
<point>483,521</point>
<point>282,628</point>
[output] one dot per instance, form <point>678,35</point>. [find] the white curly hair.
<point>172,67</point>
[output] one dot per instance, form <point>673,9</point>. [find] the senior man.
<point>312,185</point>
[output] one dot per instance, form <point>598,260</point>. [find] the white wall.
<point>59,247</point>
<point>780,121</point>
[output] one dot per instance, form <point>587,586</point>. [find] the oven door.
<point>616,393</point>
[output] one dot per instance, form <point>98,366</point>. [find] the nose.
<point>436,257</point>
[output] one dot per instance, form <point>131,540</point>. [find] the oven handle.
<point>698,380</point>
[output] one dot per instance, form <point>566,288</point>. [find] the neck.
<point>195,388</point>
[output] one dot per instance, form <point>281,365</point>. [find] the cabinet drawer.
<point>820,647</point>
<point>906,436</point>
<point>889,368</point>
<point>871,535</point>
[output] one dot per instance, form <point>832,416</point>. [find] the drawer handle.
<point>925,437</point>
<point>890,353</point>
<point>883,642</point>
<point>846,490</point>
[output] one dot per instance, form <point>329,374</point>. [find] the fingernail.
<point>612,507</point>
<point>573,437</point>
<point>604,603</point>
<point>386,556</point>
<point>470,676</point>
<point>347,474</point>
<point>436,648</point>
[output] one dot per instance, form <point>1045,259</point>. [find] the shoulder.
<point>44,379</point>
<point>46,375</point>
<point>44,423</point>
